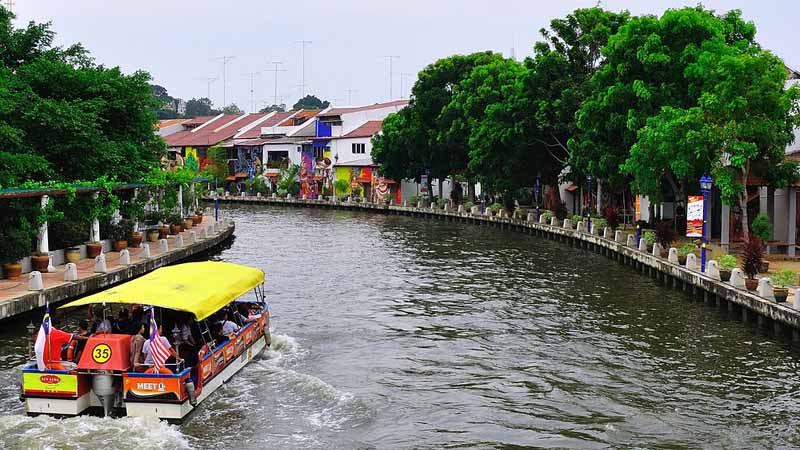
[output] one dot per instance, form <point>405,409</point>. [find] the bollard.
<point>35,281</point>
<point>619,237</point>
<point>405,203</point>
<point>487,212</point>
<point>204,233</point>
<point>567,223</point>
<point>673,255</point>
<point>192,237</point>
<point>100,264</point>
<point>631,242</point>
<point>656,249</point>
<point>227,194</point>
<point>50,267</point>
<point>145,251</point>
<point>580,227</point>
<point>178,241</point>
<point>765,289</point>
<point>542,219</point>
<point>258,194</point>
<point>737,278</point>
<point>529,218</point>
<point>125,257</point>
<point>305,197</point>
<point>642,245</point>
<point>274,195</point>
<point>691,262</point>
<point>242,194</point>
<point>607,233</point>
<point>288,196</point>
<point>553,221</point>
<point>712,270</point>
<point>71,272</point>
<point>163,246</point>
<point>461,209</point>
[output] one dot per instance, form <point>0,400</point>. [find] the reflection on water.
<point>392,332</point>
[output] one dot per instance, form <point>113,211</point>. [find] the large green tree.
<point>67,118</point>
<point>311,102</point>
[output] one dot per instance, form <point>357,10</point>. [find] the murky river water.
<point>393,332</point>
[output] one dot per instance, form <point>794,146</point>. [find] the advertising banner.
<point>694,216</point>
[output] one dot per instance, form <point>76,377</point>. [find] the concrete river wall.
<point>748,305</point>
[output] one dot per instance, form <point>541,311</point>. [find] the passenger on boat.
<point>123,323</point>
<point>244,315</point>
<point>100,325</point>
<point>228,327</point>
<point>137,344</point>
<point>184,335</point>
<point>80,339</point>
<point>137,317</point>
<point>148,360</point>
<point>219,337</point>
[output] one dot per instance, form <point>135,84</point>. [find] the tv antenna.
<point>275,71</point>
<point>208,81</point>
<point>391,59</point>
<point>225,60</point>
<point>403,76</point>
<point>303,66</point>
<point>252,76</point>
<point>350,93</point>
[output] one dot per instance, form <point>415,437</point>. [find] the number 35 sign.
<point>101,353</point>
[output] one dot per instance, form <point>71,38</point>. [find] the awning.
<point>200,288</point>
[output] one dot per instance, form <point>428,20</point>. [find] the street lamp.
<point>589,206</point>
<point>536,194</point>
<point>705,187</point>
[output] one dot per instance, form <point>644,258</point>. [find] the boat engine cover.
<point>107,352</point>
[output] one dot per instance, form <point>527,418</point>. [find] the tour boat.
<point>102,379</point>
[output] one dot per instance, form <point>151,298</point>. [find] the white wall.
<point>291,149</point>
<point>344,148</point>
<point>351,121</point>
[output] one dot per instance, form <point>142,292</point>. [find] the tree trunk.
<point>471,190</point>
<point>430,187</point>
<point>441,188</point>
<point>743,203</point>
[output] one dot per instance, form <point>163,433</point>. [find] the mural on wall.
<point>381,189</point>
<point>192,161</point>
<point>307,172</point>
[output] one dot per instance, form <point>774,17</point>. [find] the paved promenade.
<point>16,298</point>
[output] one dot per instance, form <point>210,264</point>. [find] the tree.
<point>311,102</point>
<point>232,109</point>
<point>167,108</point>
<point>270,108</point>
<point>200,107</point>
<point>399,147</point>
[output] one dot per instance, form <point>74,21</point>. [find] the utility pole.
<point>275,71</point>
<point>225,61</point>
<point>303,66</point>
<point>252,76</point>
<point>403,76</point>
<point>350,93</point>
<point>391,58</point>
<point>208,81</point>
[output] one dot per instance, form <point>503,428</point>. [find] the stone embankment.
<point>68,281</point>
<point>751,306</point>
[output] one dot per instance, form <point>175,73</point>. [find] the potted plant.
<point>495,208</point>
<point>118,233</point>
<point>762,228</point>
<point>576,219</point>
<point>93,249</point>
<point>684,250</point>
<point>611,214</point>
<point>40,261</point>
<point>15,244</point>
<point>188,223</point>
<point>154,234</point>
<point>665,236</point>
<point>547,215</point>
<point>650,238</point>
<point>175,223</point>
<point>197,218</point>
<point>598,225</point>
<point>726,264</point>
<point>781,282</point>
<point>751,261</point>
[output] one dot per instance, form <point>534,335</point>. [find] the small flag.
<point>41,339</point>
<point>158,350</point>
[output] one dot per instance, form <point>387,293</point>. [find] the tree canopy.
<point>311,102</point>
<point>64,117</point>
<point>271,108</point>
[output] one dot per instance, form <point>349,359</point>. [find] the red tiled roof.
<point>369,129</point>
<point>303,113</point>
<point>271,122</point>
<point>340,111</point>
<point>169,122</point>
<point>213,133</point>
<point>198,120</point>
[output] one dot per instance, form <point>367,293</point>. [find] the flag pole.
<point>49,322</point>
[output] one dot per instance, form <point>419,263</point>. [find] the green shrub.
<point>687,248</point>
<point>577,218</point>
<point>547,214</point>
<point>762,227</point>
<point>784,278</point>
<point>727,262</point>
<point>342,187</point>
<point>649,237</point>
<point>468,206</point>
<point>413,200</point>
<point>494,207</point>
<point>599,223</point>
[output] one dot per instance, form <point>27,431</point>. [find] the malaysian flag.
<point>158,350</point>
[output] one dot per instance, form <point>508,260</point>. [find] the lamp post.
<point>705,187</point>
<point>536,194</point>
<point>589,207</point>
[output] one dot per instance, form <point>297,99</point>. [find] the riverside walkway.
<point>16,297</point>
<point>749,306</point>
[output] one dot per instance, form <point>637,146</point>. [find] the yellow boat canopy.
<point>200,288</point>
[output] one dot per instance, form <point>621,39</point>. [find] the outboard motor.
<point>189,386</point>
<point>104,389</point>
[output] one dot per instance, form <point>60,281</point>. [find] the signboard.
<point>637,216</point>
<point>50,384</point>
<point>694,216</point>
<point>423,181</point>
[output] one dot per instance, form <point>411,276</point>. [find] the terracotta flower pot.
<point>665,253</point>
<point>175,229</point>
<point>136,239</point>
<point>40,262</point>
<point>780,294</point>
<point>197,219</point>
<point>725,275</point>
<point>153,235</point>
<point>751,284</point>
<point>12,271</point>
<point>120,245</point>
<point>682,260</point>
<point>93,249</point>
<point>72,254</point>
<point>163,232</point>
<point>188,224</point>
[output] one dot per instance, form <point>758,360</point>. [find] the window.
<point>319,152</point>
<point>359,148</point>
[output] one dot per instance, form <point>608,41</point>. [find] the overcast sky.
<point>180,42</point>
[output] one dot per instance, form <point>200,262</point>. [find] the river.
<point>395,332</point>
